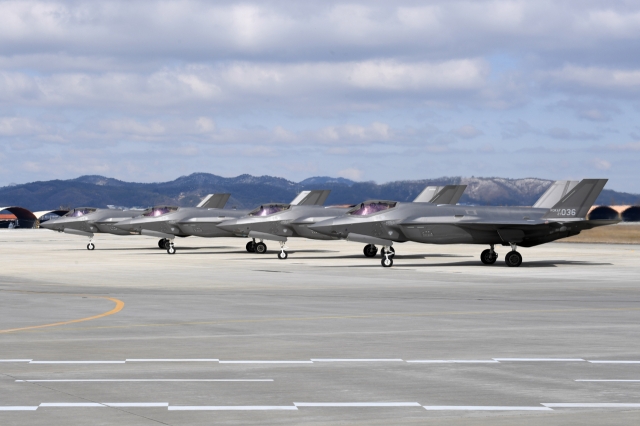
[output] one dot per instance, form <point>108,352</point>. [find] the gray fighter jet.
<point>87,221</point>
<point>200,221</point>
<point>383,222</point>
<point>278,222</point>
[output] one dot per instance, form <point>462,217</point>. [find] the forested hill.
<point>248,191</point>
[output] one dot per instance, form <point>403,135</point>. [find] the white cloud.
<point>351,173</point>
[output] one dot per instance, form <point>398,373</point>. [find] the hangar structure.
<point>24,218</point>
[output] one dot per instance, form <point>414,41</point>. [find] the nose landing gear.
<point>91,246</point>
<point>387,259</point>
<point>283,254</point>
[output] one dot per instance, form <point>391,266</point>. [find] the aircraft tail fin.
<point>554,193</point>
<point>214,201</point>
<point>311,198</point>
<point>578,201</point>
<point>448,194</point>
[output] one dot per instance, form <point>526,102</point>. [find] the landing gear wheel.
<point>251,247</point>
<point>370,250</point>
<point>487,258</point>
<point>513,259</point>
<point>90,246</point>
<point>161,243</point>
<point>261,248</point>
<point>282,255</point>
<point>167,244</point>
<point>171,249</point>
<point>392,252</point>
<point>387,262</point>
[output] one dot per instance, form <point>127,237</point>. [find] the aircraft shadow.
<point>534,264</point>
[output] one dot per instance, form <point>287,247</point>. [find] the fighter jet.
<point>87,221</point>
<point>200,221</point>
<point>278,222</point>
<point>383,222</point>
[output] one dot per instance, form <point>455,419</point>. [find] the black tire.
<point>171,249</point>
<point>487,259</point>
<point>386,262</point>
<point>251,247</point>
<point>392,252</point>
<point>167,244</point>
<point>370,250</point>
<point>261,248</point>
<point>283,255</point>
<point>90,246</point>
<point>513,259</point>
<point>161,243</point>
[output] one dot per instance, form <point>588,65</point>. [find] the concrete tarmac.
<point>127,334</point>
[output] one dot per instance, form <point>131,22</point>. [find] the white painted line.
<point>540,359</point>
<point>174,360</point>
<point>136,404</point>
<point>76,362</point>
<point>16,360</point>
<point>482,408</point>
<point>614,362</point>
<point>454,361</point>
<point>591,405</point>
<point>71,404</point>
<point>355,360</point>
<point>146,380</point>
<point>266,362</point>
<point>231,407</point>
<point>610,380</point>
<point>356,404</point>
<point>19,408</point>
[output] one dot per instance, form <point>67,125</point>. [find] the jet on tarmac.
<point>383,222</point>
<point>278,222</point>
<point>87,221</point>
<point>200,221</point>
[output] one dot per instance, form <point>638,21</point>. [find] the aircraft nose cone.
<point>47,225</point>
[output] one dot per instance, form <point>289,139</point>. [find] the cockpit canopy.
<point>159,211</point>
<point>269,209</point>
<point>80,211</point>
<point>371,207</point>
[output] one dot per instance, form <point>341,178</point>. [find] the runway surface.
<point>127,334</point>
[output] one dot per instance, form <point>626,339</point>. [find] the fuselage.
<point>91,221</point>
<point>289,221</point>
<point>186,221</point>
<point>449,224</point>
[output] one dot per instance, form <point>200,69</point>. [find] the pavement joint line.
<point>77,362</point>
<point>607,380</point>
<point>482,408</point>
<point>614,362</point>
<point>590,405</point>
<point>266,362</point>
<point>232,408</point>
<point>355,360</point>
<point>173,360</point>
<point>357,404</point>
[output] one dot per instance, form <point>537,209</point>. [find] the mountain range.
<point>247,191</point>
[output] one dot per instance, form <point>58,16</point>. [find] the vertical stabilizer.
<point>311,198</point>
<point>578,201</point>
<point>448,194</point>
<point>554,193</point>
<point>214,201</point>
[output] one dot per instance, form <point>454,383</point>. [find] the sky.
<point>367,90</point>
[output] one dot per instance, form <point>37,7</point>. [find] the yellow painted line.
<point>115,310</point>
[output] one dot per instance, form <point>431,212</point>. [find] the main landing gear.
<point>253,247</point>
<point>370,250</point>
<point>512,259</point>
<point>163,244</point>
<point>387,256</point>
<point>489,256</point>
